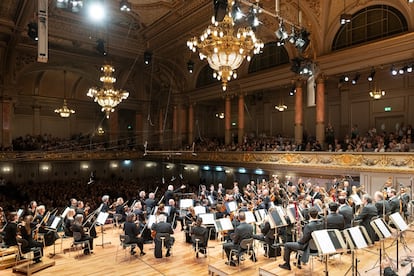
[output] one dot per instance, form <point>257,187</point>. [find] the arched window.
<point>372,23</point>
<point>205,77</point>
<point>271,56</point>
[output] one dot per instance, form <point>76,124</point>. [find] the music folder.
<point>102,218</point>
<point>277,217</point>
<point>357,237</point>
<point>398,221</point>
<point>260,214</point>
<point>151,221</point>
<point>292,213</point>
<point>199,210</point>
<point>208,218</point>
<point>186,203</point>
<point>356,199</point>
<point>223,224</point>
<point>381,228</point>
<point>231,206</point>
<point>328,241</point>
<point>55,224</point>
<point>250,218</point>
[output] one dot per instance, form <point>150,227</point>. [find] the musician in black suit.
<point>133,232</point>
<point>242,231</point>
<point>169,193</point>
<point>201,233</point>
<point>78,227</point>
<point>313,225</point>
<point>150,203</point>
<point>163,228</point>
<point>346,211</point>
<point>394,201</point>
<point>367,213</point>
<point>11,236</point>
<point>267,234</point>
<point>333,219</point>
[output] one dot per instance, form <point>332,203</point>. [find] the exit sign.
<point>387,108</point>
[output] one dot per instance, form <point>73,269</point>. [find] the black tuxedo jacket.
<point>242,231</point>
<point>308,229</point>
<point>348,214</point>
<point>335,221</point>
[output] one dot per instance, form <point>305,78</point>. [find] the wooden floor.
<point>106,260</point>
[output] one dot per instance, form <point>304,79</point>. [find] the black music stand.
<point>401,226</point>
<point>357,238</point>
<point>100,220</point>
<point>383,231</point>
<point>328,241</point>
<point>56,223</point>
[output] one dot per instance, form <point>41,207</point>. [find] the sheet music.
<point>357,200</point>
<point>65,212</point>
<point>249,217</point>
<point>231,206</point>
<point>19,213</point>
<point>399,222</point>
<point>223,224</point>
<point>357,237</point>
<point>55,223</point>
<point>383,228</point>
<point>151,221</point>
<point>186,203</point>
<point>324,241</point>
<point>199,210</point>
<point>102,218</point>
<point>208,218</point>
<point>260,214</point>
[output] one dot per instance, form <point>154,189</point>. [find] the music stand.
<point>401,226</point>
<point>250,218</point>
<point>357,238</point>
<point>56,223</point>
<point>231,206</point>
<point>260,214</point>
<point>328,241</point>
<point>208,221</point>
<point>100,220</point>
<point>277,218</point>
<point>199,210</point>
<point>185,204</point>
<point>383,231</point>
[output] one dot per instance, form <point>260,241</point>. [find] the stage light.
<point>409,68</point>
<point>236,11</point>
<point>125,6</point>
<point>32,31</point>
<point>345,18</point>
<point>190,66</point>
<point>100,47</point>
<point>302,41</point>
<point>292,91</point>
<point>281,32</point>
<point>147,57</point>
<point>252,19</point>
<point>394,71</point>
<point>220,9</point>
<point>371,75</point>
<point>346,78</point>
<point>401,71</point>
<point>356,78</point>
<point>96,10</point>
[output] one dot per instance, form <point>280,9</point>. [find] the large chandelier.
<point>64,111</point>
<point>225,50</point>
<point>376,93</point>
<point>107,96</point>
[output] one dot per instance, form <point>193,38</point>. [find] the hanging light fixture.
<point>281,107</point>
<point>64,111</point>
<point>107,97</point>
<point>376,93</point>
<point>224,50</point>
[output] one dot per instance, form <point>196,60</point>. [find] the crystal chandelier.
<point>224,50</point>
<point>64,111</point>
<point>107,96</point>
<point>376,93</point>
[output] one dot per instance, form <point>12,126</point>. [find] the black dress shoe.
<point>285,266</point>
<point>142,253</point>
<point>133,252</point>
<point>168,254</point>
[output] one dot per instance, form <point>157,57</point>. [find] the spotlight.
<point>401,71</point>
<point>100,47</point>
<point>32,31</point>
<point>292,37</point>
<point>292,91</point>
<point>409,68</point>
<point>147,57</point>
<point>394,71</point>
<point>281,32</point>
<point>371,75</point>
<point>236,12</point>
<point>345,18</point>
<point>356,78</point>
<point>252,17</point>
<point>220,9</point>
<point>62,4</point>
<point>346,78</point>
<point>75,5</point>
<point>410,1</point>
<point>125,6</point>
<point>96,10</point>
<point>302,41</point>
<point>190,66</point>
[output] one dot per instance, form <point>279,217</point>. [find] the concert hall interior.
<point>168,137</point>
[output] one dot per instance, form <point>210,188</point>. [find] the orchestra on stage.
<point>280,214</point>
